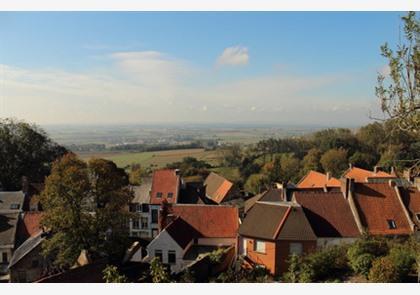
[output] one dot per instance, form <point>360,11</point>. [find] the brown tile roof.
<point>217,187</point>
<point>361,175</point>
<point>316,179</point>
<point>182,232</point>
<point>328,213</point>
<point>164,183</point>
<point>211,221</point>
<point>276,221</point>
<point>271,195</point>
<point>411,199</point>
<point>377,203</point>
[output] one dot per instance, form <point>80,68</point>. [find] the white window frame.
<point>260,246</point>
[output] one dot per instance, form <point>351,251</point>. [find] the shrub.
<point>383,271</point>
<point>293,273</point>
<point>404,259</point>
<point>362,253</point>
<point>111,275</point>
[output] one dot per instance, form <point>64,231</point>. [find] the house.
<point>165,189</point>
<point>272,231</point>
<point>218,188</point>
<point>378,208</point>
<point>314,179</point>
<point>27,263</point>
<point>329,215</point>
<point>11,204</point>
<point>190,230</point>
<point>140,225</point>
<point>363,175</point>
<point>411,200</point>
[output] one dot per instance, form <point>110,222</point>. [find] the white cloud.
<point>149,86</point>
<point>234,56</point>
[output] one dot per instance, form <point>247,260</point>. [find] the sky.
<point>296,68</point>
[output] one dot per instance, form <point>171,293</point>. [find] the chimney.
<point>165,216</point>
<point>376,169</point>
<point>328,176</point>
<point>393,171</point>
<point>350,165</point>
<point>176,171</point>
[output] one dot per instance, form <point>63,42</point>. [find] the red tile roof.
<point>164,183</point>
<point>29,225</point>
<point>316,179</point>
<point>211,221</point>
<point>328,213</point>
<point>411,199</point>
<point>377,203</point>
<point>361,175</point>
<point>217,187</point>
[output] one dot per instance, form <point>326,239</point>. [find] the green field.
<point>155,159</point>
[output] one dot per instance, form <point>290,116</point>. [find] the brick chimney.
<point>328,176</point>
<point>165,216</point>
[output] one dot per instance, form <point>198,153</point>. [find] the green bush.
<point>404,259</point>
<point>383,271</point>
<point>362,253</point>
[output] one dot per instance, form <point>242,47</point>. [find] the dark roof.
<point>26,248</point>
<point>142,192</point>
<point>8,225</point>
<point>217,187</point>
<point>377,203</point>
<point>193,193</point>
<point>276,221</point>
<point>182,232</point>
<point>271,195</point>
<point>7,199</point>
<point>328,213</point>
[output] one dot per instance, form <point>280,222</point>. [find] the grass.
<point>155,159</point>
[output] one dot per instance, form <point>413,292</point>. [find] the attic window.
<point>14,206</point>
<point>391,224</point>
<point>159,195</point>
<point>170,195</point>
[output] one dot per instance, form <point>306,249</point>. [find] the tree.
<point>25,150</point>
<point>158,272</point>
<point>334,161</point>
<point>290,167</point>
<point>311,161</point>
<point>84,207</point>
<point>232,155</point>
<point>136,174</point>
<point>399,92</point>
<point>363,160</point>
<point>111,275</point>
<point>255,183</point>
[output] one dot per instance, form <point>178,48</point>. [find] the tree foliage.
<point>84,207</point>
<point>334,161</point>
<point>112,275</point>
<point>158,272</point>
<point>25,150</point>
<point>399,92</point>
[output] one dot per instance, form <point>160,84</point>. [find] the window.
<point>35,263</point>
<point>4,257</point>
<point>295,248</point>
<point>144,222</point>
<point>158,254</point>
<point>170,195</point>
<point>136,224</point>
<point>391,224</point>
<point>14,206</point>
<point>155,216</point>
<point>171,257</point>
<point>145,208</point>
<point>259,246</point>
<point>159,195</point>
<point>138,207</point>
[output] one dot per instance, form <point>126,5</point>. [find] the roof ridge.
<point>283,220</point>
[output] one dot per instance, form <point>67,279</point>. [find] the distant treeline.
<point>208,144</point>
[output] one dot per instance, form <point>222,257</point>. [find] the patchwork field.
<point>155,159</point>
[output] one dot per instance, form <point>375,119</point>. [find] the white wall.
<point>164,242</point>
<point>325,242</point>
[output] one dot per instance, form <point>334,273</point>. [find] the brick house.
<point>190,230</point>
<point>272,231</point>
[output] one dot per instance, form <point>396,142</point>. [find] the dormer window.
<point>14,206</point>
<point>391,224</point>
<point>159,195</point>
<point>170,195</point>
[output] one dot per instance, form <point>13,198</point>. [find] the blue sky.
<point>130,67</point>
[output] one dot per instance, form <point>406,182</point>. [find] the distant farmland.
<point>155,159</point>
